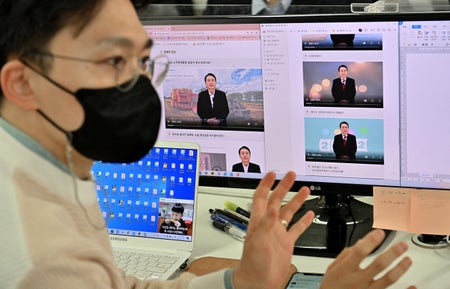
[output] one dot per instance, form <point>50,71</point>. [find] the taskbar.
<point>149,235</point>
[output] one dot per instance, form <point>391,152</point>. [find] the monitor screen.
<point>346,101</point>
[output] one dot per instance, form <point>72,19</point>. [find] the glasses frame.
<point>146,65</point>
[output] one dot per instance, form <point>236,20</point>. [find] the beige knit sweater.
<point>46,239</point>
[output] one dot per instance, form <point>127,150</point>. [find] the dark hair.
<point>244,147</point>
<point>210,74</point>
<point>28,25</point>
<point>343,122</point>
<point>342,65</point>
<point>178,208</point>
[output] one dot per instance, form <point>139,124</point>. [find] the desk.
<point>430,269</point>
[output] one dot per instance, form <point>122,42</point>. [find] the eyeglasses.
<point>127,68</point>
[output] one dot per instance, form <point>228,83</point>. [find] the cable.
<point>348,202</point>
<point>70,163</point>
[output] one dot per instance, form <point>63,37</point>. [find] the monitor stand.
<point>430,241</point>
<point>340,221</point>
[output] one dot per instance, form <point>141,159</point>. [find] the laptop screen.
<point>153,197</point>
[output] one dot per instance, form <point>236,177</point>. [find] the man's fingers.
<point>384,260</point>
<point>288,210</point>
<point>260,196</point>
<point>281,189</point>
<point>394,274</point>
<point>301,225</point>
<point>364,247</point>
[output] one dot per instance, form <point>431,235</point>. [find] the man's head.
<point>343,126</point>
<point>210,81</point>
<point>177,211</point>
<point>244,154</point>
<point>30,25</point>
<point>51,50</point>
<point>342,69</point>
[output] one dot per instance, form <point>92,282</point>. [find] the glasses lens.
<point>157,69</point>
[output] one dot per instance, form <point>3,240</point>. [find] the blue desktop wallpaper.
<point>133,196</point>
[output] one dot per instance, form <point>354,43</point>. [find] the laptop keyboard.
<point>142,264</point>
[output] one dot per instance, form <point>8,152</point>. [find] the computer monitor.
<point>289,106</point>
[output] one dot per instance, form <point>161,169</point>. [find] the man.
<point>67,70</point>
<point>344,88</point>
<point>245,165</point>
<point>212,105</point>
<point>175,225</point>
<point>344,145</point>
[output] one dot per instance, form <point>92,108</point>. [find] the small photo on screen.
<point>175,217</point>
<point>213,161</point>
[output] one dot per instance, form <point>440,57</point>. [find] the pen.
<point>224,219</point>
<point>232,215</point>
<point>232,206</point>
<point>230,229</point>
<point>237,216</point>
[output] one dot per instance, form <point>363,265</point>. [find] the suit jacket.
<point>252,168</point>
<point>205,110</point>
<point>348,150</point>
<point>230,7</point>
<point>347,94</point>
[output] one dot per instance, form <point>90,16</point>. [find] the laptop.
<point>150,208</point>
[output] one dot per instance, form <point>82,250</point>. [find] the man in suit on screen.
<point>212,105</point>
<point>245,165</point>
<point>344,88</point>
<point>344,145</point>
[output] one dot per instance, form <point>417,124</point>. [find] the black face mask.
<point>119,127</point>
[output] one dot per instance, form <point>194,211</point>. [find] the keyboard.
<point>144,265</point>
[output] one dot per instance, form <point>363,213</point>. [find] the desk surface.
<point>430,269</point>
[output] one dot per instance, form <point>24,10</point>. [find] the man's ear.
<point>15,81</point>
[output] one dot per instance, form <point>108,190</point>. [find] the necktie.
<point>345,140</point>
<point>343,85</point>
